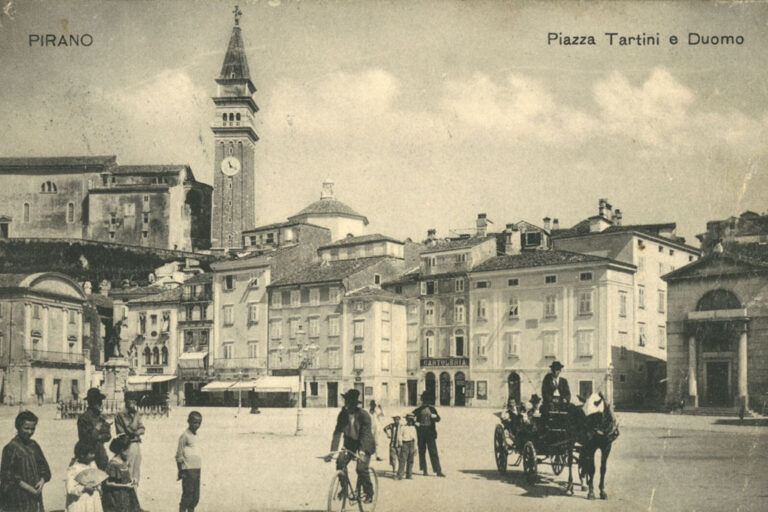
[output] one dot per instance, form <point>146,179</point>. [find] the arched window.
<point>147,356</point>
<point>164,356</point>
<point>48,187</point>
<point>231,116</point>
<point>224,118</point>
<point>458,343</point>
<point>429,312</point>
<point>429,344</point>
<point>70,212</point>
<point>237,116</point>
<point>155,356</point>
<point>718,299</point>
<point>26,212</point>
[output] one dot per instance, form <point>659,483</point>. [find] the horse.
<point>597,430</point>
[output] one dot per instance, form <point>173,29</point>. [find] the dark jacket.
<point>357,434</point>
<point>425,423</point>
<point>93,428</point>
<point>548,388</point>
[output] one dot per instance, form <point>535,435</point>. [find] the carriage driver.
<point>554,388</point>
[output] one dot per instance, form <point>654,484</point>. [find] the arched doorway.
<point>429,386</point>
<point>460,384</point>
<point>513,387</point>
<point>445,389</point>
<point>718,345</point>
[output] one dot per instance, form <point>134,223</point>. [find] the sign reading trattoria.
<point>445,361</point>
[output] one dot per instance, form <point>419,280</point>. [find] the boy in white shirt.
<point>406,442</point>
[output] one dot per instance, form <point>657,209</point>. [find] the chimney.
<point>327,192</point>
<point>482,224</point>
<point>546,222</point>
<point>510,236</point>
<point>617,217</point>
<point>601,208</point>
<point>555,224</point>
<point>431,237</point>
<point>608,210</point>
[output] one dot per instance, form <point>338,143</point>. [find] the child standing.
<point>23,469</point>
<point>119,491</point>
<point>189,463</point>
<point>391,431</point>
<point>82,498</point>
<point>407,446</point>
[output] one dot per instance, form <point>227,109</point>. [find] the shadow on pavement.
<point>545,486</point>
<point>747,422</point>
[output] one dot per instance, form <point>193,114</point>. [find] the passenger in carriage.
<point>531,413</point>
<point>554,388</point>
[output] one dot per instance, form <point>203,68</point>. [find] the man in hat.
<point>554,388</point>
<point>355,424</point>
<point>426,418</point>
<point>93,428</point>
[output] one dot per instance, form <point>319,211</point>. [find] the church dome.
<point>328,206</point>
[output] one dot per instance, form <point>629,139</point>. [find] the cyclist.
<point>355,424</point>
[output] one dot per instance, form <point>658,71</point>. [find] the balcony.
<point>57,359</point>
<point>238,363</point>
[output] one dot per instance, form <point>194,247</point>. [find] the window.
<point>513,311</point>
<point>641,339</point>
<point>253,313</point>
<point>550,306</point>
<point>513,282</point>
<point>313,389</point>
<point>429,344</point>
<point>585,302</point>
<point>482,390</point>
<point>512,344</point>
<point>70,212</point>
<point>412,361</point>
<point>48,188</point>
<point>204,339</point>
<point>482,284</point>
<point>386,359</point>
<point>129,210</point>
<point>146,199</point>
<point>189,341</point>
<point>164,356</point>
<point>623,304</point>
<point>482,344</point>
<point>147,356</point>
<point>429,288</point>
<point>314,327</point>
<point>641,263</point>
<point>662,301</point>
<point>26,212</point>
<point>275,329</point>
<point>585,388</point>
<point>293,327</point>
<point>458,311</point>
<point>641,296</point>
<point>228,350</point>
<point>458,343</point>
<point>550,344</point>
<point>295,298</point>
<point>662,336</point>
<point>459,285</point>
<point>671,252</point>
<point>142,322</point>
<point>585,276</point>
<point>429,312</point>
<point>550,279</point>
<point>386,328</point>
<point>228,314</point>
<point>482,309</point>
<point>155,356</point>
<point>461,258</point>
<point>36,311</point>
<point>661,269</point>
<point>229,283</point>
<point>314,296</point>
<point>376,279</point>
<point>253,349</point>
<point>333,326</point>
<point>165,325</point>
<point>532,239</point>
<point>333,295</point>
<point>357,361</point>
<point>359,331</point>
<point>1,310</point>
<point>203,311</point>
<point>334,361</point>
<point>277,298</point>
<point>72,317</point>
<point>584,343</point>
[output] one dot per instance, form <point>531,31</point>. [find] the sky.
<point>424,113</point>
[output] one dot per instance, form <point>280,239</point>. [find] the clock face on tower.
<point>230,166</point>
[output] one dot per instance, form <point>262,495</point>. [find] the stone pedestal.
<point>116,371</point>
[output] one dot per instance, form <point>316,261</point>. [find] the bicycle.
<point>343,495</point>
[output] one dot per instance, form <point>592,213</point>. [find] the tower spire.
<point>237,12</point>
<point>235,63</point>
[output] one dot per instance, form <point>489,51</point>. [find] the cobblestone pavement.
<point>254,462</point>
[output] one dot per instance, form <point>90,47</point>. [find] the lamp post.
<point>240,376</point>
<point>306,352</point>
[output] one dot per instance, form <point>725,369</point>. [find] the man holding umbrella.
<point>93,428</point>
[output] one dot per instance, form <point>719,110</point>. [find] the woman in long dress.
<point>377,429</point>
<point>23,469</point>
<point>82,498</point>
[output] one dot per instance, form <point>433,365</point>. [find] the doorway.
<point>513,387</point>
<point>3,230</point>
<point>333,394</point>
<point>57,390</point>
<point>413,392</point>
<point>445,389</point>
<point>460,384</point>
<point>718,389</point>
<point>402,394</point>
<point>429,387</point>
<point>360,386</point>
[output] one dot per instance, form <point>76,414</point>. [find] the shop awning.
<point>272,384</point>
<point>192,359</point>
<point>144,382</point>
<point>244,385</point>
<point>217,385</point>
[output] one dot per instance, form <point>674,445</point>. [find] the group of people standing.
<point>94,483</point>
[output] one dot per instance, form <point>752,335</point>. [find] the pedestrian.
<point>39,392</point>
<point>119,491</point>
<point>426,430</point>
<point>391,432</point>
<point>128,423</point>
<point>93,428</point>
<point>23,469</point>
<point>377,416</point>
<point>188,462</point>
<point>407,446</point>
<point>83,497</point>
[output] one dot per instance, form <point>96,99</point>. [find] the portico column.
<point>692,386</point>
<point>743,367</point>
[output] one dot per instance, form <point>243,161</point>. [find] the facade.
<point>407,287</point>
<point>308,307</point>
<point>718,330</point>
<point>285,234</point>
<point>534,307</point>
<point>749,227</point>
<point>234,152</point>
<point>655,250</point>
<point>93,198</point>
<point>196,334</point>
<point>365,246</point>
<point>331,213</point>
<point>41,345</point>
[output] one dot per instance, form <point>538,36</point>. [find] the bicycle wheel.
<point>338,494</point>
<point>368,507</point>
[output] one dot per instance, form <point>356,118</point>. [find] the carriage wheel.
<point>500,449</point>
<point>529,462</point>
<point>559,461</point>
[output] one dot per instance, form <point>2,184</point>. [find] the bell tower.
<point>232,211</point>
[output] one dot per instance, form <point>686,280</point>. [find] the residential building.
<point>331,213</point>
<point>365,246</point>
<point>749,227</point>
<point>196,335</point>
<point>716,330</point>
<point>655,249</point>
<point>285,234</point>
<point>41,337</point>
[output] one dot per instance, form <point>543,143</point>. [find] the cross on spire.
<point>237,12</point>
